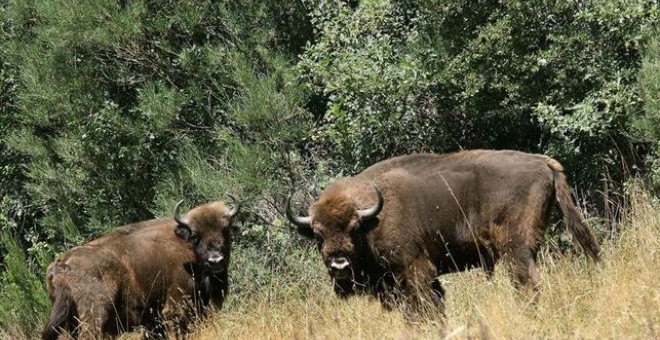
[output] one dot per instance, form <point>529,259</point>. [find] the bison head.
<point>206,227</point>
<point>336,223</point>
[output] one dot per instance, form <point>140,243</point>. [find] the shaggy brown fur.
<point>441,213</point>
<point>153,274</point>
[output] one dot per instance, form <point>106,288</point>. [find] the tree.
<point>551,77</point>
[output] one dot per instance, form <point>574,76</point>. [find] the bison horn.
<point>237,206</point>
<point>297,220</point>
<point>177,217</point>
<point>373,211</point>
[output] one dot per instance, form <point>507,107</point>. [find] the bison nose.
<point>339,263</point>
<point>215,258</point>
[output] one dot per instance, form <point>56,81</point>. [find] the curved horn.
<point>237,206</point>
<point>177,217</point>
<point>297,220</point>
<point>373,211</point>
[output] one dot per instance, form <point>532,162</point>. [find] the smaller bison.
<point>157,274</point>
<point>390,230</point>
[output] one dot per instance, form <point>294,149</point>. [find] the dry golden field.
<point>616,299</point>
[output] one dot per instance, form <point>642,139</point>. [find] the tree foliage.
<point>551,77</point>
<point>368,64</point>
<point>111,111</point>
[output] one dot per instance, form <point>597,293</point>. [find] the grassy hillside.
<point>619,298</point>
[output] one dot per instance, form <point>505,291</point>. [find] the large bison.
<point>157,274</point>
<point>392,229</point>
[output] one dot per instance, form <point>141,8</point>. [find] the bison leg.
<point>530,277</point>
<point>91,320</point>
<point>178,312</point>
<point>517,242</point>
<point>522,268</point>
<point>488,258</point>
<point>438,295</point>
<point>95,301</point>
<point>343,288</point>
<point>421,289</point>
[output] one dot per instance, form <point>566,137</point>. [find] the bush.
<point>554,78</point>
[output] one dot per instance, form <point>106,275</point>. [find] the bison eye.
<point>194,238</point>
<point>183,231</point>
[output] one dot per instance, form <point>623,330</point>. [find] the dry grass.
<point>617,299</point>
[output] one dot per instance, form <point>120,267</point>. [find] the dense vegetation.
<point>111,111</point>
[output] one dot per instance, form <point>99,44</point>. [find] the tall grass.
<point>22,297</point>
<point>617,299</point>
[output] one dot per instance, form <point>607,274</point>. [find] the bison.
<point>157,274</point>
<point>393,228</point>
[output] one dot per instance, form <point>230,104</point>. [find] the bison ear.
<point>183,231</point>
<point>305,231</point>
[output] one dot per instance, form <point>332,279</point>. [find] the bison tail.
<point>63,316</point>
<point>575,221</point>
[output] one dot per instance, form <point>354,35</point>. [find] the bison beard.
<point>158,274</point>
<point>398,225</point>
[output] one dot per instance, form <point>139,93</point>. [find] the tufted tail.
<point>62,316</point>
<point>575,221</point>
